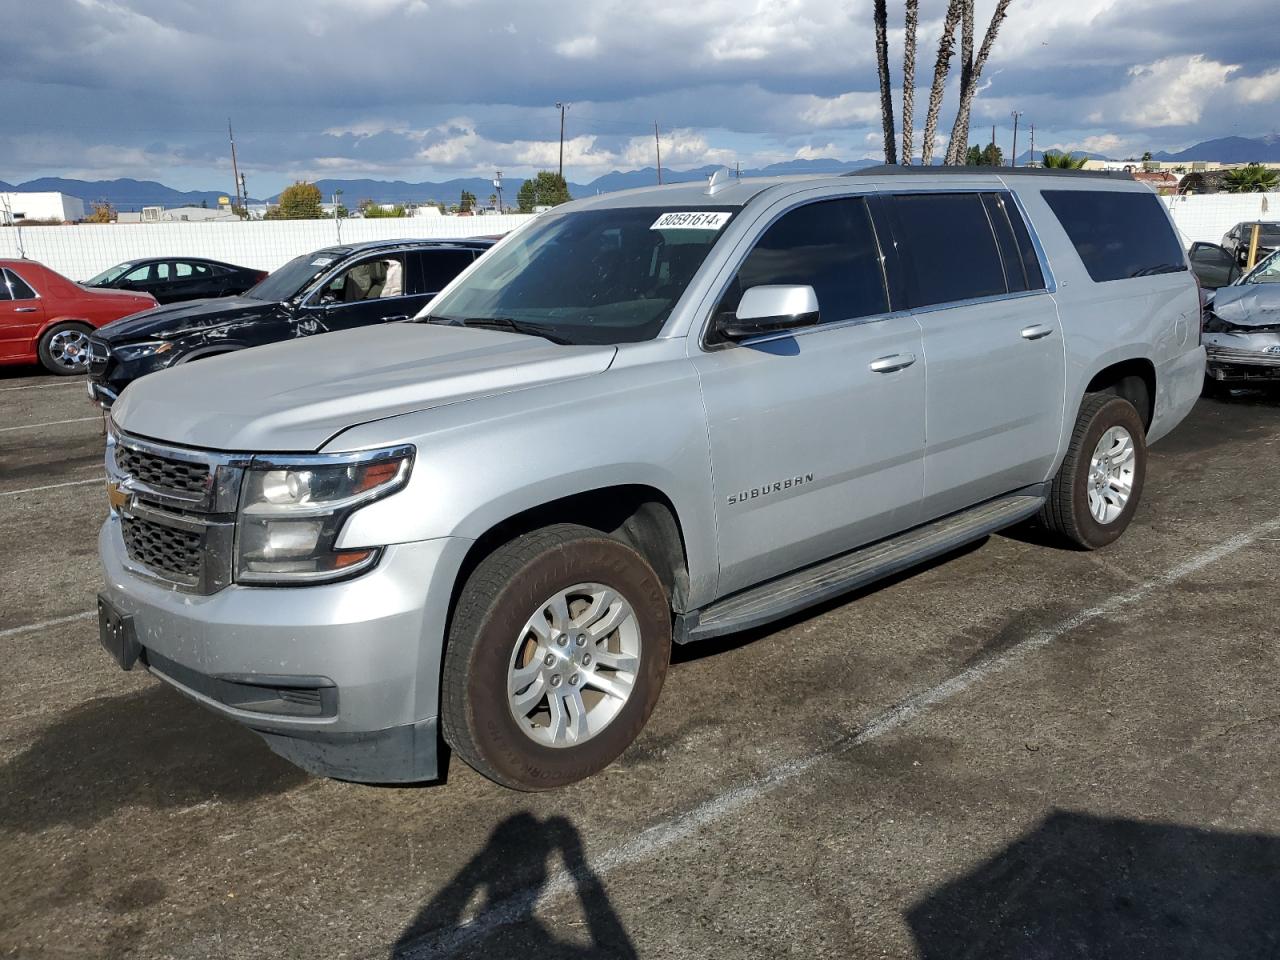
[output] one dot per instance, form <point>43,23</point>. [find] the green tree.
<point>973,156</point>
<point>373,211</point>
<point>467,202</point>
<point>301,201</point>
<point>1057,160</point>
<point>546,189</point>
<point>1255,178</point>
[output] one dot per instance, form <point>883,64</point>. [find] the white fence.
<point>81,251</point>
<point>1208,216</point>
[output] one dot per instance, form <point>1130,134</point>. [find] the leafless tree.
<point>969,85</point>
<point>910,23</point>
<point>940,68</point>
<point>886,88</point>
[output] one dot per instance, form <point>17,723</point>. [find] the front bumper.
<point>102,395</point>
<point>1243,356</point>
<point>342,679</point>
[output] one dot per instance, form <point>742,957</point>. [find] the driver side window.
<point>830,246</point>
<point>379,278</point>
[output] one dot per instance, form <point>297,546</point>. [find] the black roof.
<point>350,248</point>
<point>897,170</point>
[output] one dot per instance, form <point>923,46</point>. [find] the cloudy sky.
<point>432,89</point>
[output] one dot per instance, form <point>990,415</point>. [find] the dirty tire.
<point>499,597</point>
<point>49,340</point>
<point>1066,511</point>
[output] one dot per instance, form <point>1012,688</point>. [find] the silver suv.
<point>645,418</point>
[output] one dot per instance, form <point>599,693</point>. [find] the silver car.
<point>644,418</point>
<point>1242,329</point>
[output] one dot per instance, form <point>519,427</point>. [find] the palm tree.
<point>1057,160</point>
<point>910,23</point>
<point>969,89</point>
<point>886,89</point>
<point>940,68</point>
<point>1255,178</point>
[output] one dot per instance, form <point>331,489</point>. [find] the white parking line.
<point>28,628</point>
<point>50,486</point>
<point>45,386</point>
<point>51,423</point>
<point>668,832</point>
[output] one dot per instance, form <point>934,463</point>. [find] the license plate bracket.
<point>117,636</point>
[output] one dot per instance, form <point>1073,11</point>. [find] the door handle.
<point>25,309</point>
<point>1036,331</point>
<point>897,361</point>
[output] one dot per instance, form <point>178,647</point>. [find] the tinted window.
<point>1118,235</point>
<point>441,266</point>
<point>1015,275</point>
<point>830,246</point>
<point>947,248</point>
<point>4,287</point>
<point>20,289</point>
<point>1030,260</point>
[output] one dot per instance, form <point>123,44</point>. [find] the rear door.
<point>22,315</point>
<point>441,266</point>
<point>992,340</point>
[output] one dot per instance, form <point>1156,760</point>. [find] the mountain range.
<point>128,194</point>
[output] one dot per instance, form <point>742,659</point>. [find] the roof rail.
<point>897,170</point>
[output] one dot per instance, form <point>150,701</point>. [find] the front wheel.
<point>1095,493</point>
<point>64,348</point>
<point>558,648</point>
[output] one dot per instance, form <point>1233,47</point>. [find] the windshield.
<point>108,276</point>
<point>1267,271</point>
<point>591,276</point>
<point>294,277</point>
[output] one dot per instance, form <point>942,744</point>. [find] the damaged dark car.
<point>1242,330</point>
<point>336,288</point>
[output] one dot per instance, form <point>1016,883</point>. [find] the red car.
<point>46,318</point>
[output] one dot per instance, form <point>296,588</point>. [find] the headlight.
<point>292,510</point>
<point>143,348</point>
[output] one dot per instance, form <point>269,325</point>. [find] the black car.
<point>1237,239</point>
<point>336,288</point>
<point>171,279</point>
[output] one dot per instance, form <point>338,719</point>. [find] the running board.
<point>830,578</point>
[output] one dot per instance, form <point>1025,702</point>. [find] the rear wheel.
<point>556,656</point>
<point>64,348</point>
<point>1096,491</point>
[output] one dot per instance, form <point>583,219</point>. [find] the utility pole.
<point>497,187</point>
<point>337,220</point>
<point>562,107</point>
<point>244,198</point>
<point>235,169</point>
<point>1033,145</point>
<point>737,169</point>
<point>657,149</point>
<point>1013,160</point>
<point>994,161</point>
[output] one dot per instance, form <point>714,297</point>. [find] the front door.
<point>376,289</point>
<point>997,361</point>
<point>817,435</point>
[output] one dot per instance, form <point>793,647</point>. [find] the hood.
<point>179,318</point>
<point>295,396</point>
<point>1248,304</point>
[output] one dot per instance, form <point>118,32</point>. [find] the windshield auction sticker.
<point>692,220</point>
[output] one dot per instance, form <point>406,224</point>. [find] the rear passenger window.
<point>1021,267</point>
<point>830,246</point>
<point>1119,235</point>
<point>946,247</point>
<point>19,288</point>
<point>441,266</point>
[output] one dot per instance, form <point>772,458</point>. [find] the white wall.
<point>80,251</point>
<point>1208,216</point>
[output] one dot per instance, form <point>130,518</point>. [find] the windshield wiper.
<point>502,323</point>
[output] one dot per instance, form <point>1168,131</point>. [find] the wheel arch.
<point>1132,378</point>
<point>637,514</point>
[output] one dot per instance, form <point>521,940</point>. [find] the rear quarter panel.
<point>1150,318</point>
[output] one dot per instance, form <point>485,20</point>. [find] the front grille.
<point>164,549</point>
<point>99,356</point>
<point>162,473</point>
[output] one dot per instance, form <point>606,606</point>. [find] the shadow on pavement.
<point>1084,886</point>
<point>153,749</point>
<point>502,884</point>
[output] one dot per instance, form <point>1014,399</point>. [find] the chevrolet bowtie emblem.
<point>117,495</point>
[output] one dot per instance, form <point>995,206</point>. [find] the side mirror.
<point>770,309</point>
